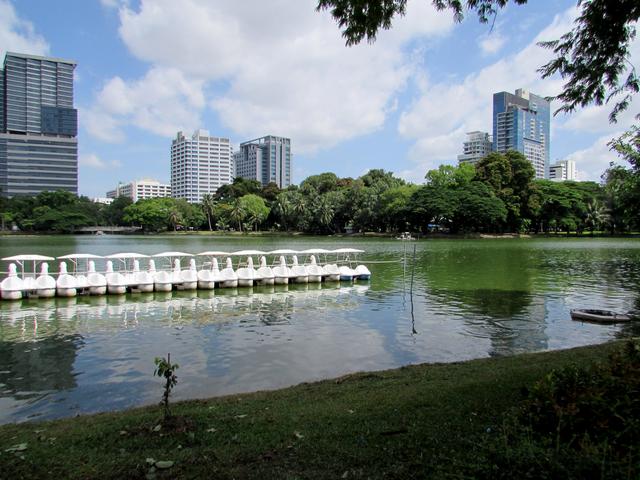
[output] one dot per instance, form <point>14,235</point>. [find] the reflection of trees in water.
<point>30,367</point>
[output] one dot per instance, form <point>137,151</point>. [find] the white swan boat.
<point>45,284</point>
<point>66,285</point>
<point>281,272</point>
<point>228,277</point>
<point>80,269</point>
<point>247,274</point>
<point>299,273</point>
<point>189,277</point>
<point>129,268</point>
<point>265,273</point>
<point>97,282</point>
<point>209,277</point>
<point>116,282</point>
<point>161,279</point>
<point>11,287</point>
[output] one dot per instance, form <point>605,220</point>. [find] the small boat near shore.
<point>599,316</point>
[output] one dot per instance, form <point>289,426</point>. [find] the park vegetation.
<point>497,195</point>
<point>570,414</point>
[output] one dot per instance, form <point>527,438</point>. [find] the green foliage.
<point>158,214</point>
<point>577,422</point>
<point>254,208</point>
<point>167,370</point>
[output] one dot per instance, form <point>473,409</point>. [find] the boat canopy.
<point>311,251</point>
<point>283,251</point>
<point>28,258</point>
<point>127,255</point>
<point>173,254</point>
<point>78,256</point>
<point>347,250</point>
<point>248,252</point>
<point>213,253</point>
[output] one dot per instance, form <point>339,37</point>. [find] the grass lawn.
<point>419,421</point>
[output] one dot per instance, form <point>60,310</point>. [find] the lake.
<point>471,299</point>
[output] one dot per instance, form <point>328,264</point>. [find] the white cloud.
<point>439,117</point>
<point>162,102</point>
<point>291,75</point>
<point>92,160</point>
<point>18,35</point>
<point>592,161</point>
<point>491,43</point>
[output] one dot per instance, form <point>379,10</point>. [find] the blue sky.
<point>148,68</point>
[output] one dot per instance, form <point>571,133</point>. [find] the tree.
<point>208,204</point>
<point>237,213</point>
<point>592,58</point>
<point>256,211</point>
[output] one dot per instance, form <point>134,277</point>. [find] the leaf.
<point>157,428</point>
<point>298,435</point>
<point>21,447</point>
<point>150,461</point>
<point>241,416</point>
<point>164,464</point>
<point>211,430</point>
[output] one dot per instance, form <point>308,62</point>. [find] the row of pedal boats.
<point>128,276</point>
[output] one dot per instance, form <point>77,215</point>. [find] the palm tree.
<point>175,218</point>
<point>596,215</point>
<point>208,204</point>
<point>283,207</point>
<point>325,212</point>
<point>237,213</point>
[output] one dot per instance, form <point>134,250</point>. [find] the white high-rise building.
<point>563,170</point>
<point>266,159</point>
<point>200,164</point>
<point>141,190</point>
<point>477,146</point>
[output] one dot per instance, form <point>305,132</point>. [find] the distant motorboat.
<point>599,316</point>
<point>405,236</point>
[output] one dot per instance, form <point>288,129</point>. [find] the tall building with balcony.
<point>562,170</point>
<point>141,190</point>
<point>200,164</point>
<point>266,159</point>
<point>522,122</point>
<point>477,146</point>
<point>38,125</point>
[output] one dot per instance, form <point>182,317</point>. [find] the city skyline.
<point>147,69</point>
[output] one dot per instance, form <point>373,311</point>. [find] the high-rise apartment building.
<point>266,159</point>
<point>141,190</point>
<point>38,125</point>
<point>562,170</point>
<point>522,122</point>
<point>477,146</point>
<point>200,164</point>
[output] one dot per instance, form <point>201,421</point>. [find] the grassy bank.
<point>413,422</point>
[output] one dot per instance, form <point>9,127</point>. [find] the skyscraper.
<point>266,159</point>
<point>563,170</point>
<point>200,164</point>
<point>477,146</point>
<point>38,125</point>
<point>522,122</point>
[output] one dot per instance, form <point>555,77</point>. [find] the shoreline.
<point>316,430</point>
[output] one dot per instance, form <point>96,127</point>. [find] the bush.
<point>574,423</point>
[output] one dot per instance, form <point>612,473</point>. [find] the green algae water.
<point>470,299</point>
